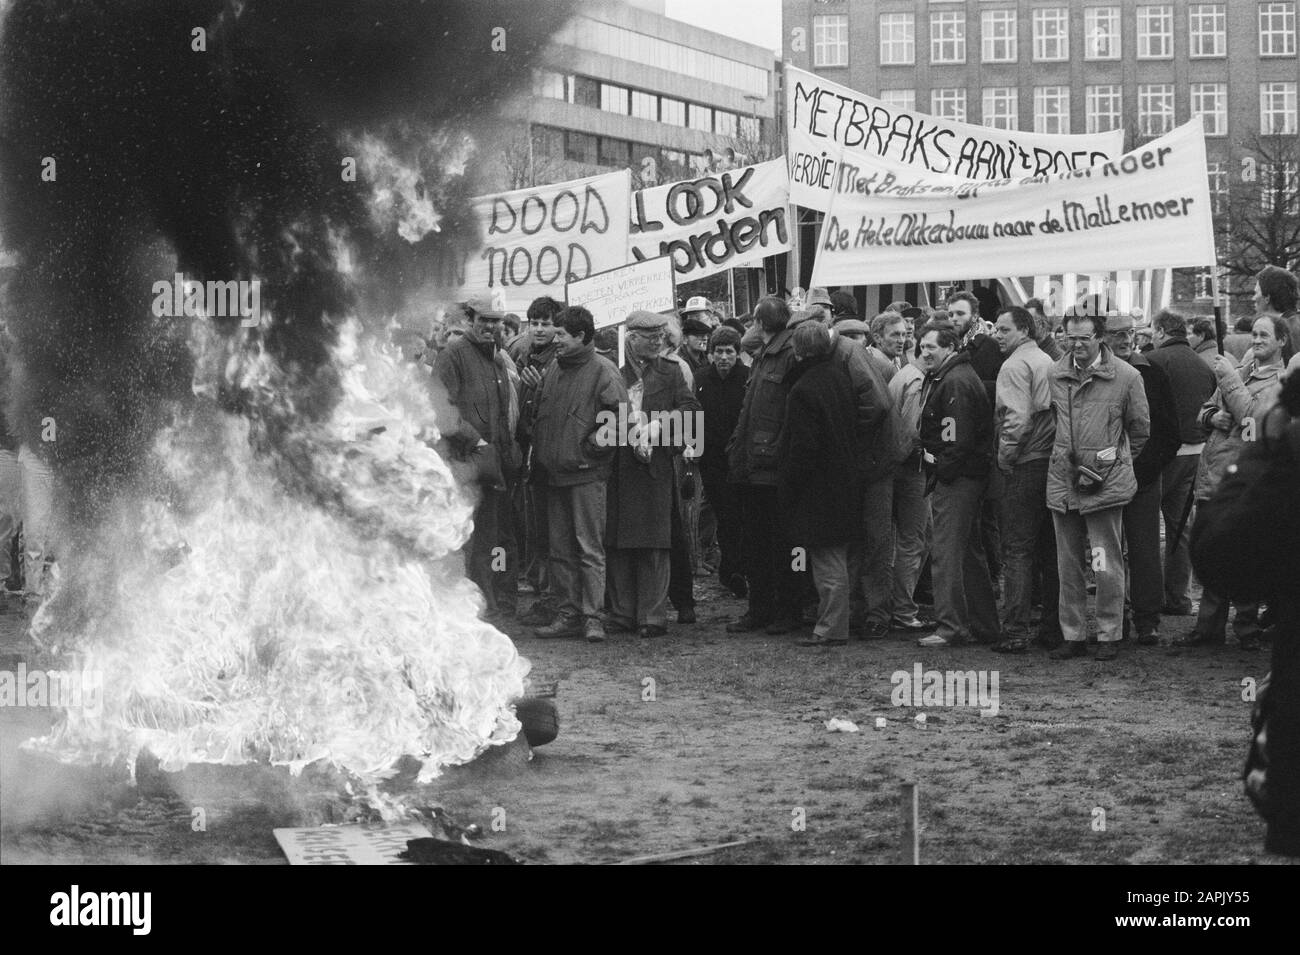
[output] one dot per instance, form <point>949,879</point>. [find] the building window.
<point>1002,107</point>
<point>948,36</point>
<point>897,39</point>
<point>1218,172</point>
<point>831,40</point>
<point>1155,108</point>
<point>586,92</point>
<point>1279,188</point>
<point>1101,33</point>
<point>700,117</point>
<point>899,99</point>
<point>548,142</point>
<point>724,123</point>
<point>580,147</point>
<point>1105,108</point>
<point>1211,101</point>
<point>645,105</point>
<point>949,103</point>
<point>1155,27</point>
<point>613,99</point>
<point>1207,29</point>
<point>1277,29</point>
<point>998,36</point>
<point>1051,109</point>
<point>584,33</point>
<point>1051,34</point>
<point>751,128</point>
<point>615,152</point>
<point>1277,116</point>
<point>550,85</point>
<point>672,111</point>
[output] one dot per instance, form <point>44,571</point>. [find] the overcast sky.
<point>754,21</point>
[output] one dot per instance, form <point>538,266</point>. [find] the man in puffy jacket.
<point>1102,424</point>
<point>575,399</point>
<point>957,434</point>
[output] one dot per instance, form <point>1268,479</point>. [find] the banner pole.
<point>1219,330</point>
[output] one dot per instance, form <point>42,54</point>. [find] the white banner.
<point>720,221</point>
<point>1148,209</point>
<point>536,241</point>
<point>612,296</point>
<point>824,117</point>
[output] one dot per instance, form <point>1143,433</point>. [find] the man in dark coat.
<point>1193,384</point>
<point>1246,546</point>
<point>638,528</point>
<point>957,435</point>
<point>476,374</point>
<point>820,475</point>
<point>774,586</point>
<point>720,389</point>
<point>1142,514</point>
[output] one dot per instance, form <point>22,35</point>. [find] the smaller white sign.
<point>348,845</point>
<point>612,296</point>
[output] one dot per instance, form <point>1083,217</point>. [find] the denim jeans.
<point>1028,546</point>
<point>871,562</point>
<point>911,515</point>
<point>830,570</point>
<point>577,532</point>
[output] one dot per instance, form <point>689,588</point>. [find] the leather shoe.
<point>562,627</point>
<point>1148,638</point>
<point>686,616</point>
<point>650,630</point>
<point>1069,650</point>
<point>594,632</point>
<point>1107,649</point>
<point>748,623</point>
<point>1011,645</point>
<point>738,585</point>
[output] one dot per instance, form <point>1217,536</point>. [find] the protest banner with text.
<point>829,123</point>
<point>536,241</point>
<point>1149,208</point>
<point>717,222</point>
<point>612,296</point>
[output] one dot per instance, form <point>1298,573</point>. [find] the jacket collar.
<point>1104,369</point>
<point>1171,342</point>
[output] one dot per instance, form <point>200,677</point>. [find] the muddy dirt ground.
<point>1135,761</point>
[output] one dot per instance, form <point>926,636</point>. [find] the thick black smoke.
<point>224,164</point>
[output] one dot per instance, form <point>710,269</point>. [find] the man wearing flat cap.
<point>695,343</point>
<point>478,378</point>
<point>638,527</point>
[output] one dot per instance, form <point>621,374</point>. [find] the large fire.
<point>265,626</point>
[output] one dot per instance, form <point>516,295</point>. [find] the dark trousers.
<point>537,537</point>
<point>774,586</point>
<point>724,499</point>
<point>964,606</point>
<point>991,524</point>
<point>681,579</point>
<point>1146,576</point>
<point>1176,482</point>
<point>490,554</point>
<point>1028,548</point>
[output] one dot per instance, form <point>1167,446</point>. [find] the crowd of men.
<point>972,473</point>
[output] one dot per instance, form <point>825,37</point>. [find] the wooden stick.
<point>909,842</point>
<point>681,853</point>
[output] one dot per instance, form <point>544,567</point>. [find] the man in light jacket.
<point>1025,429</point>
<point>1102,424</point>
